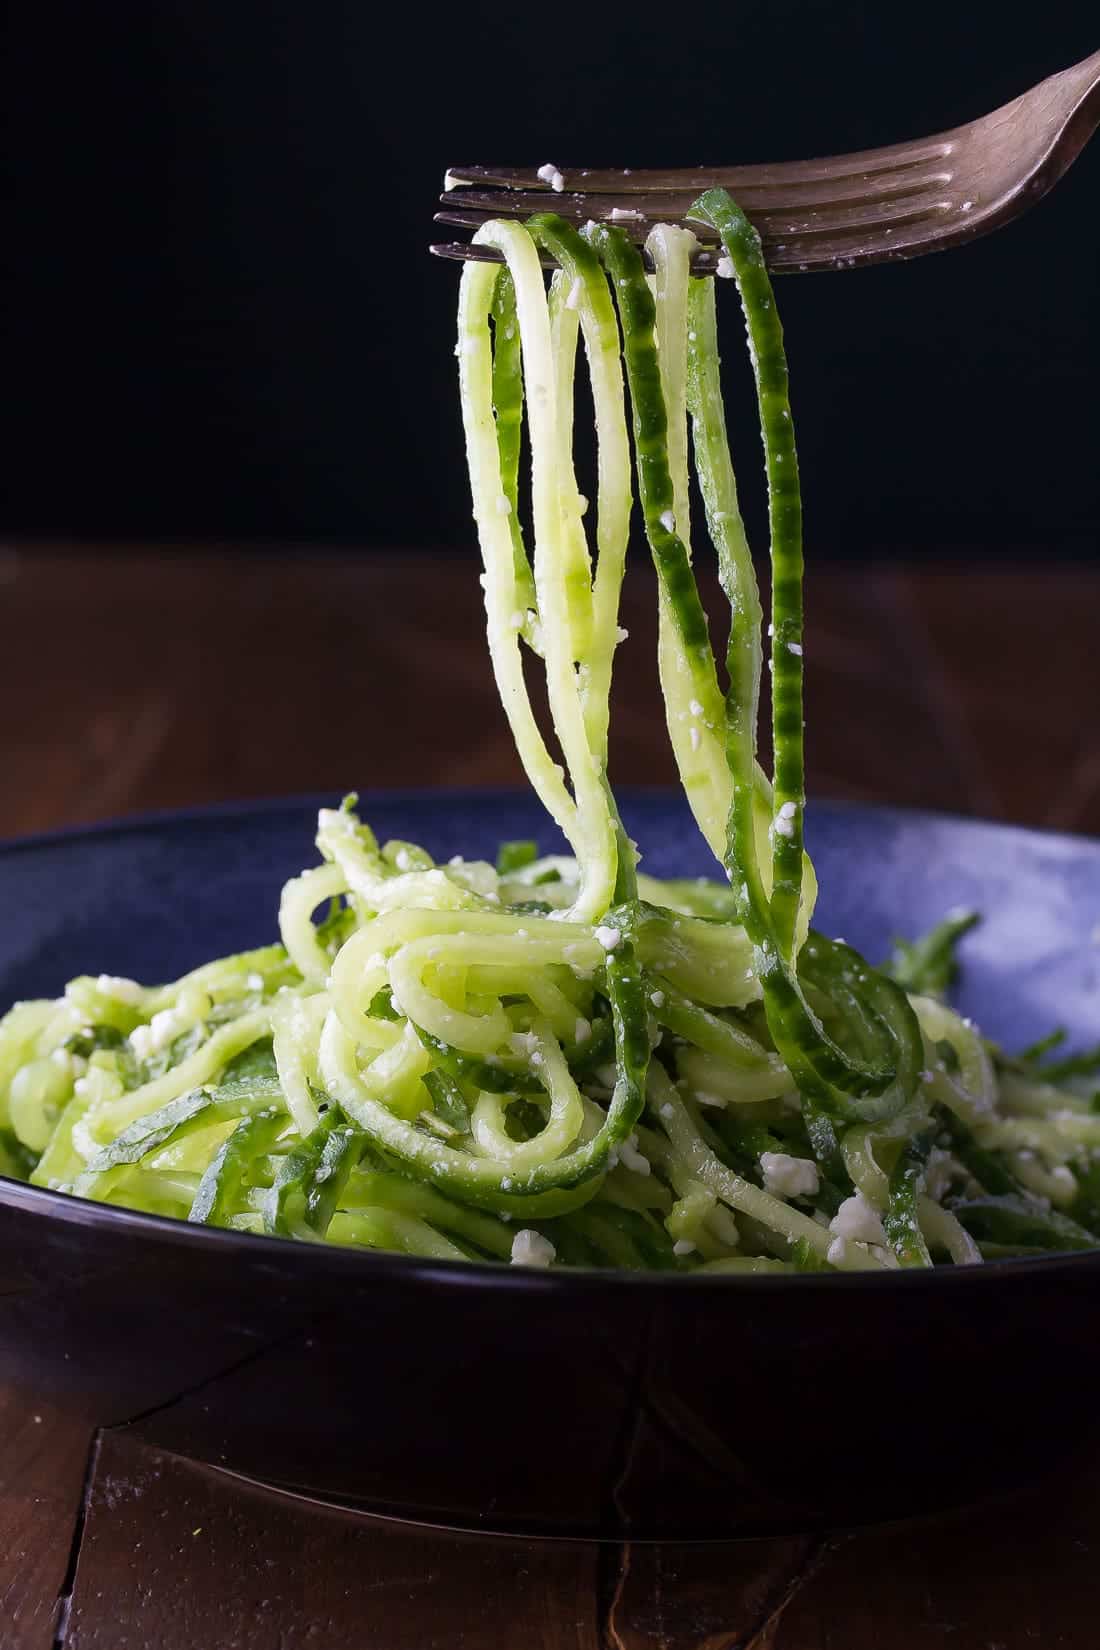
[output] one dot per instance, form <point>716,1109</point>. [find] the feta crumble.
<point>858,1221</point>
<point>530,1248</point>
<point>786,1176</point>
<point>683,1246</point>
<point>608,937</point>
<point>668,521</point>
<point>630,1157</point>
<point>162,1029</point>
<point>549,174</point>
<point>120,988</point>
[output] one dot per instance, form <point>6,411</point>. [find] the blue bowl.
<point>596,1404</point>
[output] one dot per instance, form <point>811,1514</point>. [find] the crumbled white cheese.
<point>162,1029</point>
<point>530,1248</point>
<point>402,860</point>
<point>795,648</point>
<point>608,937</point>
<point>621,213</point>
<point>683,1246</point>
<point>121,989</point>
<point>695,708</point>
<point>668,521</point>
<point>939,1173</point>
<point>837,1252</point>
<point>725,269</point>
<point>631,1157</point>
<point>550,174</point>
<point>657,998</point>
<point>255,982</point>
<point>668,1109</point>
<point>857,1220</point>
<point>789,1176</point>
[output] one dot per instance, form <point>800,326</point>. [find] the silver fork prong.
<point>754,198</point>
<point>590,180</point>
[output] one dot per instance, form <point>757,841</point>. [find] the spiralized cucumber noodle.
<point>557,1060</point>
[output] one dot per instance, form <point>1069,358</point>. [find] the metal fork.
<point>864,208</point>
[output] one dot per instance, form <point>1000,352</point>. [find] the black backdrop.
<point>221,321</point>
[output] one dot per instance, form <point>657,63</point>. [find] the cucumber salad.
<point>559,1061</point>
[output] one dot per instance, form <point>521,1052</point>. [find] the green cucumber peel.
<point>769,363</point>
<point>448,1101</point>
<point>310,1179</point>
<point>900,1220</point>
<point>1020,1222</point>
<point>222,1184</point>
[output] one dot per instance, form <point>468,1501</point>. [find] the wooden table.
<point>136,681</point>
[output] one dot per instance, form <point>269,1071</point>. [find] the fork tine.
<point>782,174</point>
<point>775,228</point>
<point>662,205</point>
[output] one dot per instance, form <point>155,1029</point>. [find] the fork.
<point>864,208</point>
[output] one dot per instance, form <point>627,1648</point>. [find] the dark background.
<point>221,321</point>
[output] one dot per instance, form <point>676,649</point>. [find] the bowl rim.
<point>365,1265</point>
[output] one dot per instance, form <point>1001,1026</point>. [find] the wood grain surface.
<point>131,682</point>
